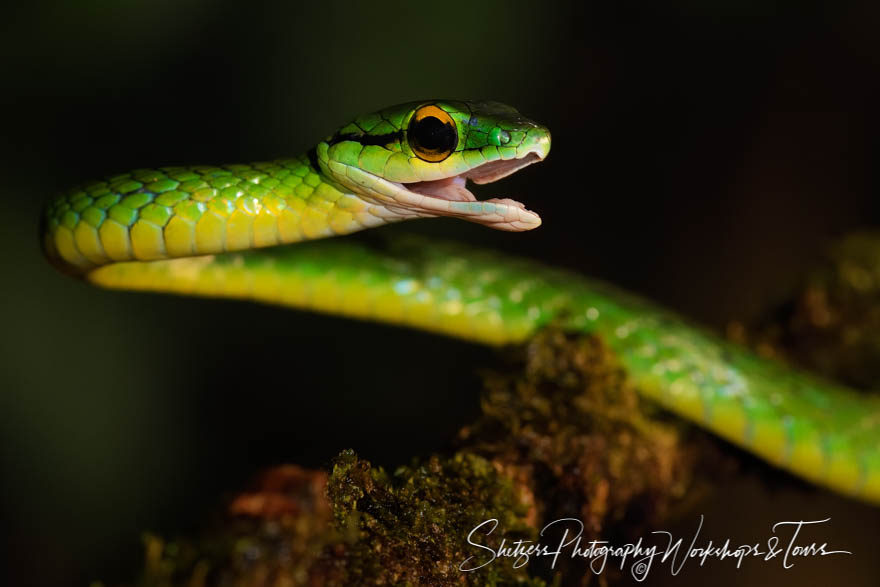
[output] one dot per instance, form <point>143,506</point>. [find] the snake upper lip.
<point>453,188</point>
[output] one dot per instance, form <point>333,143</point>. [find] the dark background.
<point>703,152</point>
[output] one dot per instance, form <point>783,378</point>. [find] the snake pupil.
<point>432,136</point>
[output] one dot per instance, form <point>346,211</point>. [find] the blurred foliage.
<point>832,322</point>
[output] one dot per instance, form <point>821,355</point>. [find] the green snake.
<point>205,231</point>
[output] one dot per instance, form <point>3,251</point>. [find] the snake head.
<point>414,160</point>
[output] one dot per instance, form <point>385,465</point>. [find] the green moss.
<point>411,527</point>
<point>369,528</point>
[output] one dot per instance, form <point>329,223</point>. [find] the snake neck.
<point>171,212</point>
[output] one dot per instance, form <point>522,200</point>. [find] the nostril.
<point>499,137</point>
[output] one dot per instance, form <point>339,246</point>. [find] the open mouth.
<point>450,197</point>
<point>455,188</point>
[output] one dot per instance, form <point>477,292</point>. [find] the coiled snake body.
<point>204,231</point>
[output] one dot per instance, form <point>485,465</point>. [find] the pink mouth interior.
<point>453,188</point>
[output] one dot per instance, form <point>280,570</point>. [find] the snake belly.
<point>212,231</point>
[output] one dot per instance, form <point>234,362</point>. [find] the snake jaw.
<point>450,196</point>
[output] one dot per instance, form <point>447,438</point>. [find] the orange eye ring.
<point>432,134</point>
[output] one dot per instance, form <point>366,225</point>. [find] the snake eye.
<point>432,134</point>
